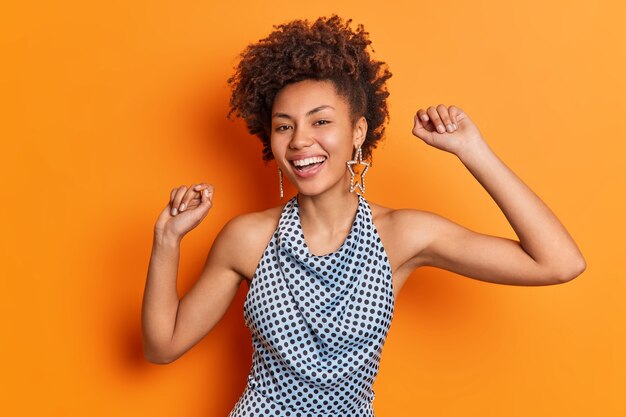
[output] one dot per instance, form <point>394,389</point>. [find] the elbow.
<point>572,272</point>
<point>157,357</point>
<point>157,360</point>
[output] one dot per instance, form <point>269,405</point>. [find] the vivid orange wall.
<point>106,106</point>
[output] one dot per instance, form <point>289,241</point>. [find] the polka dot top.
<point>318,323</point>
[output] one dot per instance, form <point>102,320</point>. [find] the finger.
<point>423,116</point>
<point>207,196</point>
<point>417,124</point>
<point>194,195</point>
<point>200,186</point>
<point>171,202</point>
<point>190,194</point>
<point>209,190</point>
<point>445,118</point>
<point>435,119</point>
<point>178,197</point>
<point>196,198</point>
<point>454,115</point>
<point>423,121</point>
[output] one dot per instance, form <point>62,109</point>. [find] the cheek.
<point>337,143</point>
<point>341,155</point>
<point>275,148</point>
<point>342,151</point>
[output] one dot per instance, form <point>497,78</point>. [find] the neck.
<point>331,211</point>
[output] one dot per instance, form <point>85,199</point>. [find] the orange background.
<point>106,106</point>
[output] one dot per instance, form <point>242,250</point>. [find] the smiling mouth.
<point>307,167</point>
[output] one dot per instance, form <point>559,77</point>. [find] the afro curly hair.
<point>327,49</point>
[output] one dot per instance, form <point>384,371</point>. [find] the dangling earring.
<point>280,177</point>
<point>357,160</point>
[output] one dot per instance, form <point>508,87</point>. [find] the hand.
<point>186,209</point>
<point>449,129</point>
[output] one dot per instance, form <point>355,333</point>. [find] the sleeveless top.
<point>318,323</point>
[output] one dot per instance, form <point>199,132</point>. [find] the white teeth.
<point>308,161</point>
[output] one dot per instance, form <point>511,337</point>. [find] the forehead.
<point>302,96</point>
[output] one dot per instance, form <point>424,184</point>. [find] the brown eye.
<point>325,122</point>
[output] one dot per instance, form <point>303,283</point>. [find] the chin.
<point>316,189</point>
<point>309,192</point>
<point>311,189</point>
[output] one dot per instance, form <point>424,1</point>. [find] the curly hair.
<point>327,49</point>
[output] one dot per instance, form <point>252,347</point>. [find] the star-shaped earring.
<point>357,160</point>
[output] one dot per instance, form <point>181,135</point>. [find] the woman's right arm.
<point>160,299</point>
<point>170,325</point>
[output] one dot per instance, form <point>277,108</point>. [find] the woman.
<point>324,269</point>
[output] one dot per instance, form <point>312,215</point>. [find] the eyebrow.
<point>310,112</point>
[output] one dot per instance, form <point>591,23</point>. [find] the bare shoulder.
<point>254,222</point>
<point>247,236</point>
<point>402,231</point>
<point>397,220</point>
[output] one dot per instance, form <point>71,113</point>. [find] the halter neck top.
<point>318,323</point>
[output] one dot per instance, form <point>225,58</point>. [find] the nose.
<point>301,138</point>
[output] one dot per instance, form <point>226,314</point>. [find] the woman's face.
<point>312,137</point>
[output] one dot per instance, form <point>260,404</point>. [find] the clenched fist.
<point>449,129</point>
<point>185,210</point>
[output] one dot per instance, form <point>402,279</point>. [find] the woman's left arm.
<point>545,248</point>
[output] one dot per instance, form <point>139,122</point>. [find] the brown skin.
<point>546,254</point>
<point>325,49</point>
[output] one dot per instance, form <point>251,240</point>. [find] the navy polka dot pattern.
<point>318,323</point>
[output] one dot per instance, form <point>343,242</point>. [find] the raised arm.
<point>545,253</point>
<point>171,326</point>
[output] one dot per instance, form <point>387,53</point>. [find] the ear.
<point>359,133</point>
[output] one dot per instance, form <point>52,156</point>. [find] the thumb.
<point>417,123</point>
<point>419,129</point>
<point>207,196</point>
